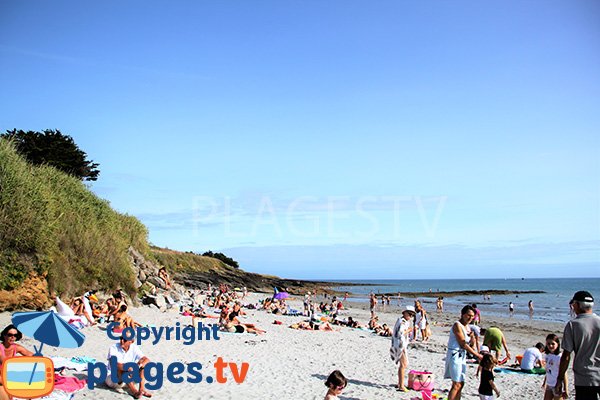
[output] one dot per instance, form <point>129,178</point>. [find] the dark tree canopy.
<point>220,256</point>
<point>53,148</point>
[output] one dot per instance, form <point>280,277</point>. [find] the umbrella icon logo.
<point>31,377</point>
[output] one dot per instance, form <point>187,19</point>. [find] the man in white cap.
<point>582,336</point>
<point>400,344</point>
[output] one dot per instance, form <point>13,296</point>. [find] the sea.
<point>552,305</point>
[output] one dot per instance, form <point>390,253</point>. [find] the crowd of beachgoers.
<point>407,326</point>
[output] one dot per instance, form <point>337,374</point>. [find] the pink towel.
<point>68,383</point>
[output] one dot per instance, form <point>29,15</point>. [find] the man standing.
<point>307,304</point>
<point>581,336</point>
<point>372,304</point>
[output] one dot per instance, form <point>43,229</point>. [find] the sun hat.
<point>584,296</point>
<point>484,349</point>
<point>409,309</point>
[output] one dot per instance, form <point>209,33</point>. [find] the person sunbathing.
<point>353,323</point>
<point>323,326</point>
<point>267,304</point>
<point>77,306</point>
<point>233,327</point>
<point>312,326</point>
<point>164,275</point>
<point>79,309</point>
<point>237,309</point>
<point>229,322</point>
<point>117,303</point>
<point>374,323</point>
<point>385,331</point>
<point>119,296</point>
<point>8,349</point>
<point>124,319</point>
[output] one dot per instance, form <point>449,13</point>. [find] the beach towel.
<point>399,342</point>
<point>507,371</point>
<point>59,395</point>
<point>68,384</point>
<point>62,363</point>
<point>83,360</point>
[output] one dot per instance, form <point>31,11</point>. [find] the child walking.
<point>336,383</point>
<point>486,385</point>
<point>553,355</point>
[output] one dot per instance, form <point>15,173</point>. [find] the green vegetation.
<point>176,261</point>
<point>220,256</point>
<point>51,223</point>
<point>51,147</point>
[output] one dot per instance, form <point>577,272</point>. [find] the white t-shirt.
<point>133,355</point>
<point>476,330</point>
<point>552,365</point>
<point>531,356</point>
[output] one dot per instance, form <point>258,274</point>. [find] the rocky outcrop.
<point>146,272</point>
<point>253,282</point>
<point>31,295</point>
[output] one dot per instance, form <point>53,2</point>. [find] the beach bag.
<point>420,380</point>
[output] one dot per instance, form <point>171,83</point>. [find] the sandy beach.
<point>290,364</point>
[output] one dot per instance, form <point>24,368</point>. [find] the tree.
<point>53,148</point>
<point>220,256</point>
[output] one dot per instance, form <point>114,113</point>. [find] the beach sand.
<point>292,364</point>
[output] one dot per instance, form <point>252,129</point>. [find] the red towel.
<point>68,384</point>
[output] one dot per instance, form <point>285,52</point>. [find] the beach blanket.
<point>519,371</point>
<point>58,395</point>
<point>83,360</point>
<point>62,363</point>
<point>68,384</point>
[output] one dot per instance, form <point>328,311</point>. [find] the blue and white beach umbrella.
<point>48,328</point>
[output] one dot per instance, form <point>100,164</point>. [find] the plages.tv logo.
<point>33,377</point>
<point>128,365</point>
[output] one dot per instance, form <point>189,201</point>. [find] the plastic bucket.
<point>519,358</point>
<point>426,394</point>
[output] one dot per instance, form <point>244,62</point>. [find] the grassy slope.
<point>53,225</point>
<point>177,261</point>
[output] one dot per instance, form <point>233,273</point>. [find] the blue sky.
<point>337,139</point>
